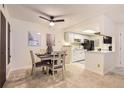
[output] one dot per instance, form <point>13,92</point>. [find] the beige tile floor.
<point>75,77</point>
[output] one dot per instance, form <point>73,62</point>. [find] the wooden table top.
<point>45,55</point>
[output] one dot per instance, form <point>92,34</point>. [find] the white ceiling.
<point>72,13</point>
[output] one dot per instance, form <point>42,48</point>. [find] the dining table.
<point>44,56</point>
<point>47,58</point>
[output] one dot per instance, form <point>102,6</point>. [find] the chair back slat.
<point>58,62</point>
<point>58,58</point>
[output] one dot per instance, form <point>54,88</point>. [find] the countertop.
<point>100,51</point>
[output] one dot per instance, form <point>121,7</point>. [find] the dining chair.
<point>57,63</point>
<point>42,51</point>
<point>63,58</point>
<point>64,51</point>
<point>36,64</point>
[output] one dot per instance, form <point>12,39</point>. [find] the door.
<point>2,49</point>
<point>122,49</point>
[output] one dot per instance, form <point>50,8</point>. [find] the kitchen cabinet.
<point>78,55</point>
<point>100,62</point>
<point>77,36</point>
<point>70,37</point>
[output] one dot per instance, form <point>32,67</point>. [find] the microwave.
<point>77,40</point>
<point>107,40</point>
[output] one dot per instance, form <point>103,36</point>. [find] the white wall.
<point>20,52</point>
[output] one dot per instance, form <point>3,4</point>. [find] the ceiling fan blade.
<point>60,20</point>
<point>44,18</point>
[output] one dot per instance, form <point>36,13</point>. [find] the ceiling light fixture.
<point>38,33</point>
<point>89,31</point>
<point>51,24</point>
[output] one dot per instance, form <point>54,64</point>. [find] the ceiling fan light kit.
<point>51,24</point>
<point>51,20</point>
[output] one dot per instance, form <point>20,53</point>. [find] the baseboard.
<point>26,67</point>
<point>108,71</point>
<point>120,66</point>
<point>99,73</point>
<point>7,76</point>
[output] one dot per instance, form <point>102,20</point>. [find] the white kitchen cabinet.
<point>78,55</point>
<point>77,36</point>
<point>100,62</point>
<point>70,37</point>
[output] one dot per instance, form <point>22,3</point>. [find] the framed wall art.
<point>34,39</point>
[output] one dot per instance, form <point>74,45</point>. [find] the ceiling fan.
<point>51,20</point>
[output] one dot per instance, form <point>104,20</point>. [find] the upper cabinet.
<point>68,37</point>
<point>74,37</point>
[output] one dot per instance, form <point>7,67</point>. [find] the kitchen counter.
<point>100,51</point>
<point>100,62</point>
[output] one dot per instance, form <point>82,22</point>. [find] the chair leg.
<point>62,73</point>
<point>47,70</point>
<point>32,70</point>
<point>43,69</point>
<point>64,67</point>
<point>53,74</point>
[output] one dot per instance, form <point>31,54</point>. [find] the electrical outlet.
<point>98,65</point>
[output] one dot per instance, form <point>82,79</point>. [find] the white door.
<point>122,49</point>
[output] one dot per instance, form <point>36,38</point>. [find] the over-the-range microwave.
<point>77,40</point>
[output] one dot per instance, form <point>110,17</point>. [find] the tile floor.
<point>75,77</point>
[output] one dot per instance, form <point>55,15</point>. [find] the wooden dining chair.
<point>64,52</point>
<point>57,63</point>
<point>63,58</point>
<point>42,51</point>
<point>35,63</point>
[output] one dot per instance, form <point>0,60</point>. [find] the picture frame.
<point>34,39</point>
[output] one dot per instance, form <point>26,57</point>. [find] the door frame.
<point>8,42</point>
<point>2,49</point>
<point>120,49</point>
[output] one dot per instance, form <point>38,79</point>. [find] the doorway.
<point>2,49</point>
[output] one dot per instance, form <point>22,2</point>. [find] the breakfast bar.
<point>100,62</point>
